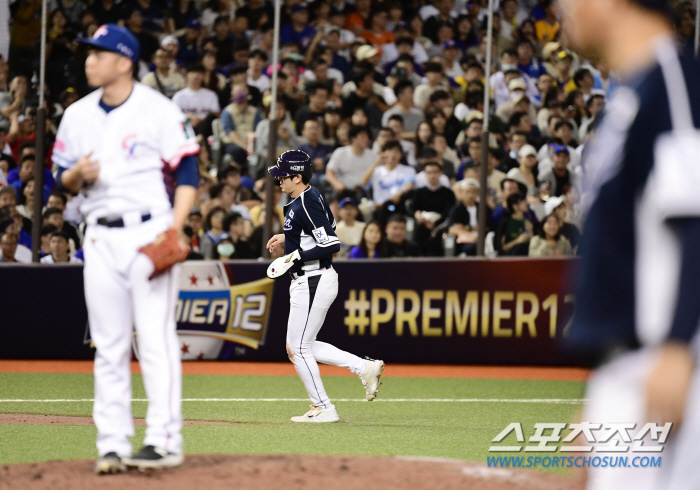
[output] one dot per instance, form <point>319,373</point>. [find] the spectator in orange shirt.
<point>377,33</point>
<point>356,22</point>
<point>547,29</point>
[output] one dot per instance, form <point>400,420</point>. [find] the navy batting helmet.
<point>292,162</point>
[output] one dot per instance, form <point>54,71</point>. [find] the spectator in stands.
<point>349,164</point>
<point>298,30</point>
<point>559,177</point>
<point>549,242</point>
<point>515,231</point>
<point>256,64</point>
<point>390,181</point>
<point>395,124</point>
<point>563,66</point>
<point>423,135</point>
<point>8,247</point>
<point>463,219</point>
<point>319,153</point>
<point>547,29</point>
<point>516,141</point>
<point>527,63</point>
<point>377,33</point>
<point>234,225</point>
<point>434,75</point>
<point>26,198</point>
<point>54,216</point>
<point>239,120</point>
<point>22,130</point>
<point>473,157</point>
<point>524,173</point>
<point>431,206</point>
<point>558,207</point>
<point>24,235</point>
<point>60,251</point>
<point>189,41</point>
<point>443,17</point>
<point>404,107</point>
<point>223,41</point>
<point>430,155</point>
<point>372,245</point>
<point>349,229</point>
<point>441,101</point>
<point>200,105</point>
<point>315,109</point>
<point>45,237</point>
<point>396,243</point>
<point>21,253</point>
<point>162,79</point>
<point>286,136</point>
<point>213,224</point>
<point>133,19</point>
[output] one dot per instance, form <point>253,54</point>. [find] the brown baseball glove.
<point>166,251</point>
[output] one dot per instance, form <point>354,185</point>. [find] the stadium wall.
<point>473,311</point>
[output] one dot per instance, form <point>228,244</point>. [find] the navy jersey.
<point>309,226</point>
<point>641,192</point>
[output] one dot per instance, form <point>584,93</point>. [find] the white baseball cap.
<point>470,182</point>
<point>527,150</point>
<point>169,40</point>
<point>552,204</point>
<point>517,83</point>
<point>366,52</point>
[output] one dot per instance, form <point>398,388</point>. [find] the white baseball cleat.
<point>370,378</point>
<point>318,414</point>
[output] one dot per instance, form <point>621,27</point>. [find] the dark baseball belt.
<point>296,275</point>
<point>119,222</point>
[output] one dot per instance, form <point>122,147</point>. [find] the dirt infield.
<point>218,472</point>
<point>287,369</point>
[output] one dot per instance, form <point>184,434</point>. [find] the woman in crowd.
<point>215,231</point>
<point>549,242</point>
<point>372,243</point>
<point>26,199</point>
<point>423,134</point>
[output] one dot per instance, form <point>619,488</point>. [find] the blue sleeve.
<point>188,172</point>
<point>687,312</point>
<point>316,222</point>
<point>59,181</point>
<point>227,123</point>
<point>460,171</point>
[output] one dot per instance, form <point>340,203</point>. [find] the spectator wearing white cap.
<point>517,96</point>
<point>549,61</point>
<point>524,172</point>
<point>558,206</point>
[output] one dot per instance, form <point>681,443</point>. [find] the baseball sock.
<point>329,354</point>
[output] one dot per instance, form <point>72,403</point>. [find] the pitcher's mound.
<point>287,472</point>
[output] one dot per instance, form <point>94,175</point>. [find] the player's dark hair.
<point>60,195</point>
<point>51,211</point>
<point>354,131</point>
<point>230,219</point>
<point>389,145</point>
<point>402,85</point>
<point>210,215</point>
<point>513,201</point>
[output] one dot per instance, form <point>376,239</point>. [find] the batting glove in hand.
<point>283,264</point>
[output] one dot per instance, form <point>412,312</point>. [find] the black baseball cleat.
<point>109,463</point>
<point>154,457</point>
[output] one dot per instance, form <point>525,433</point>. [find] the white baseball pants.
<point>119,296</point>
<point>615,394</point>
<point>310,297</point>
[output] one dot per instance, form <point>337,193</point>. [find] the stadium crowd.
<point>385,97</point>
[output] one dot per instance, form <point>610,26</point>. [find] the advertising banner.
<point>475,311</point>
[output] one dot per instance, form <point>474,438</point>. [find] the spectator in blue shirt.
<point>372,245</point>
<point>298,31</point>
<point>527,63</point>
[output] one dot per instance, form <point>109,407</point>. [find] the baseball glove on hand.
<point>166,251</point>
<point>283,264</point>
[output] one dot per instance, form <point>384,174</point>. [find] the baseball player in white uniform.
<point>309,243</point>
<point>111,146</point>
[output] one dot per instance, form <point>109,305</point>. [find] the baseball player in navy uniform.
<point>639,278</point>
<point>111,146</point>
<point>309,243</point>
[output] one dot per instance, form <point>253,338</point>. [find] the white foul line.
<point>566,401</point>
